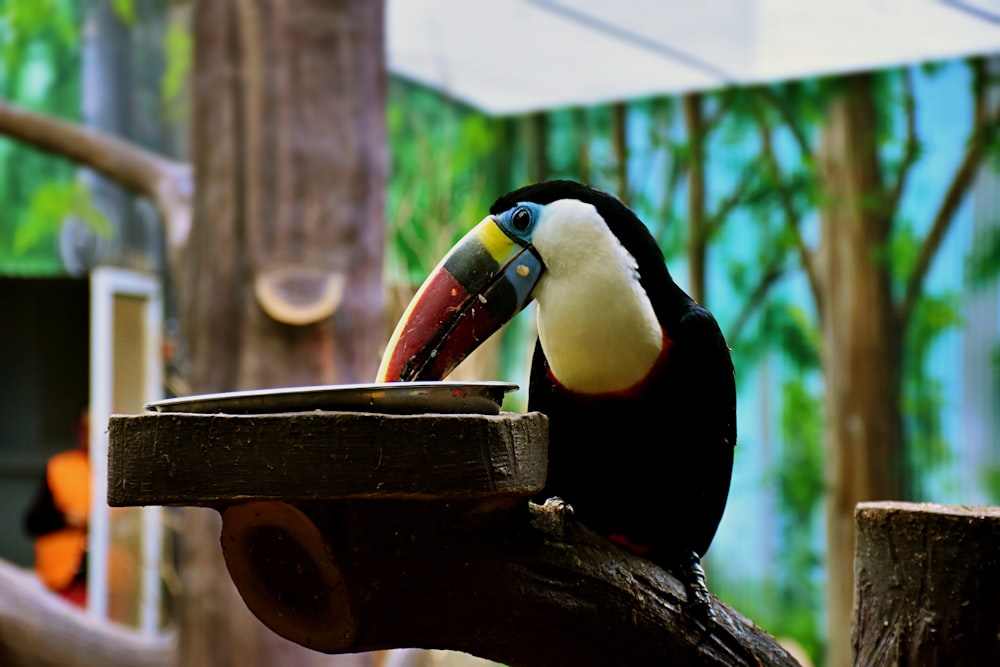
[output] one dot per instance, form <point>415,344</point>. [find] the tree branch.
<point>38,629</point>
<point>167,183</point>
<point>791,122</point>
<point>910,150</point>
<point>792,218</point>
<point>675,172</point>
<point>713,119</point>
<point>528,587</point>
<point>734,199</point>
<point>350,532</point>
<point>984,126</point>
<point>772,274</point>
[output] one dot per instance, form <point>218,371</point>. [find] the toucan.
<point>635,377</point>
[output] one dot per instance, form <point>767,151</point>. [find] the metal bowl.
<point>401,398</point>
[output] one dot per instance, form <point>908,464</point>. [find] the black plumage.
<point>641,434</point>
<point>650,467</point>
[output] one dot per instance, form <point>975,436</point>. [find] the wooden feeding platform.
<point>349,531</point>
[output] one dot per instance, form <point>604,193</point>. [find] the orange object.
<point>59,555</point>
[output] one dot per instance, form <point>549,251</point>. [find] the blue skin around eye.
<point>528,263</point>
<point>520,236</point>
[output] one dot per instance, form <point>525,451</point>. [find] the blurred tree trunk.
<point>619,141</point>
<point>581,130</point>
<point>290,165</point>
<point>697,233</point>
<point>862,344</point>
<point>863,320</point>
<point>537,139</point>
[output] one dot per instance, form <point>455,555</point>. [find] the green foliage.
<point>899,254</point>
<point>789,602</point>
<point>785,328</point>
<point>438,185</point>
<point>32,28</point>
<point>798,595</point>
<point>40,70</point>
<point>125,11</point>
<point>800,474</point>
<point>983,264</point>
<point>178,50</point>
<point>51,203</point>
<point>807,101</point>
<point>766,601</point>
<point>664,215</point>
<point>923,396</point>
<point>991,480</point>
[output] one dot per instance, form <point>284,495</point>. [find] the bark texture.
<point>290,164</point>
<point>210,460</point>
<point>928,585</point>
<point>523,586</point>
<point>415,531</point>
<point>862,346</point>
<point>694,125</point>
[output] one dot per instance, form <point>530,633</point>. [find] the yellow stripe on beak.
<point>494,240</point>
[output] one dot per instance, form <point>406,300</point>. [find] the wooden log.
<point>927,585</point>
<point>525,586</point>
<point>214,460</point>
<point>349,532</point>
<point>39,629</point>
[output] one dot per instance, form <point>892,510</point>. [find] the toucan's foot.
<point>558,514</point>
<point>699,600</point>
<point>557,504</point>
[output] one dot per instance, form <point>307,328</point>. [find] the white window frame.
<point>105,284</point>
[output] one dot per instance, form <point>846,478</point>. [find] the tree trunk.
<point>537,131</point>
<point>861,346</point>
<point>619,113</point>
<point>281,282</point>
<point>697,233</point>
<point>920,598</point>
<point>581,130</point>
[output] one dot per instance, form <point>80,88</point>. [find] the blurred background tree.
<point>289,189</point>
<point>808,215</point>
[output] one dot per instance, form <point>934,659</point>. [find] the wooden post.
<point>927,585</point>
<point>350,532</point>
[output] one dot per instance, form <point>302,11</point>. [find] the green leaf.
<point>178,50</point>
<point>800,476</point>
<point>125,11</point>
<point>983,264</point>
<point>50,205</point>
<point>30,26</point>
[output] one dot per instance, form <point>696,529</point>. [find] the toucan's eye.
<point>520,219</point>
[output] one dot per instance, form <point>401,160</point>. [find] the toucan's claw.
<point>556,513</point>
<point>699,600</point>
<point>557,504</point>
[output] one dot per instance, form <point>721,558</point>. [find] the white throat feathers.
<point>596,324</point>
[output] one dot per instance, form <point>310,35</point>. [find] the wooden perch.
<point>218,460</point>
<point>40,629</point>
<point>927,585</point>
<point>350,532</point>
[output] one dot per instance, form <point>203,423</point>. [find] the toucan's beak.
<point>480,284</point>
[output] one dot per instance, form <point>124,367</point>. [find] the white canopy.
<point>517,56</point>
